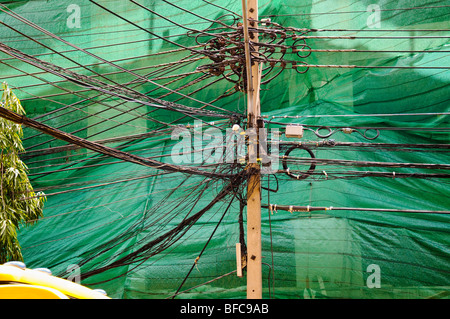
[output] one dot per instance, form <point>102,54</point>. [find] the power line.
<point>361,115</point>
<point>355,11</point>
<point>97,57</point>
<point>9,115</point>
<point>342,66</point>
<point>380,37</point>
<point>293,208</point>
<point>368,51</point>
<point>324,161</point>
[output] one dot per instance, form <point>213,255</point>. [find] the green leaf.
<point>15,185</point>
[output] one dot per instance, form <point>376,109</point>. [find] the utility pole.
<point>254,266</point>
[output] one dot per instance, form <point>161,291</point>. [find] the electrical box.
<point>295,131</point>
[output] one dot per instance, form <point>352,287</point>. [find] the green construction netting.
<point>101,210</point>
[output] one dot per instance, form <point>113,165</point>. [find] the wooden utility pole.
<point>254,266</point>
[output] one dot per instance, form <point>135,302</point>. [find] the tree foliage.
<point>19,205</point>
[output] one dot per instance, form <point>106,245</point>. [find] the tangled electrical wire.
<point>227,51</point>
<point>275,42</point>
<point>222,46</point>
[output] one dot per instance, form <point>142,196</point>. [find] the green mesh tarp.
<point>101,209</point>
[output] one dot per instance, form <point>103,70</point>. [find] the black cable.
<point>356,11</point>
<point>330,209</point>
<point>270,235</point>
<point>204,247</point>
<point>147,31</point>
<point>97,57</point>
<point>93,102</point>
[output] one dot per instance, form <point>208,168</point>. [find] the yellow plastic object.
<point>26,278</point>
<point>20,291</point>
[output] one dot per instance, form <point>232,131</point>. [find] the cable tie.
<point>393,174</point>
<point>291,209</point>
<point>307,208</point>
